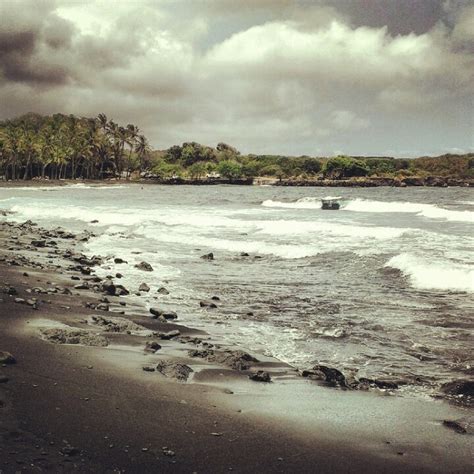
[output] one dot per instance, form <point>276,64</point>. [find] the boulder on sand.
<point>462,425</point>
<point>169,335</point>
<point>6,358</point>
<point>144,287</point>
<point>74,336</point>
<point>111,289</point>
<point>238,360</point>
<point>260,376</point>
<point>152,346</point>
<point>332,376</point>
<point>157,313</point>
<point>174,370</point>
<point>117,324</point>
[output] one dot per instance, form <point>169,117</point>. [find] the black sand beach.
<point>74,407</point>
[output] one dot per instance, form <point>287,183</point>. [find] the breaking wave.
<point>426,210</point>
<point>432,275</point>
<point>429,211</point>
<point>303,203</point>
<point>294,227</point>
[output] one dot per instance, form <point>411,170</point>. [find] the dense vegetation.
<point>69,147</point>
<point>61,146</point>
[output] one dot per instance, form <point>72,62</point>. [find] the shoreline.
<point>217,420</point>
<point>415,181</point>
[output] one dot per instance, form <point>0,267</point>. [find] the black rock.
<point>120,290</point>
<point>119,260</point>
<point>38,243</point>
<point>174,370</point>
<point>144,287</point>
<point>152,346</point>
<point>460,391</point>
<point>330,375</point>
<point>169,335</point>
<point>9,290</point>
<point>144,266</point>
<point>208,256</point>
<point>6,358</point>
<point>238,360</point>
<point>384,384</point>
<point>459,387</point>
<point>203,354</point>
<point>260,376</point>
<point>163,291</point>
<point>157,312</point>
<point>207,304</point>
<point>462,425</point>
<point>108,287</point>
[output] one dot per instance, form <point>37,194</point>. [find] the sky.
<point>320,77</point>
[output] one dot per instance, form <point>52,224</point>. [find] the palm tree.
<point>131,134</point>
<point>61,146</point>
<point>142,149</point>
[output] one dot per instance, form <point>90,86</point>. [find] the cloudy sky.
<point>313,77</point>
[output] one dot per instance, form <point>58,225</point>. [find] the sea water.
<point>382,287</point>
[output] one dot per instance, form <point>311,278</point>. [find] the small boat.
<point>331,203</point>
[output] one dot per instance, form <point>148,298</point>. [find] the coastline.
<point>217,421</point>
<point>372,182</point>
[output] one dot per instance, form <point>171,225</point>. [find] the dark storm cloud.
<point>400,16</point>
<point>22,42</point>
<point>23,36</point>
<point>361,76</point>
<point>16,60</point>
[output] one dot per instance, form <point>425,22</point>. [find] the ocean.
<point>383,287</point>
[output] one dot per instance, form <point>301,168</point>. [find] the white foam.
<point>318,228</point>
<point>434,275</point>
<point>198,218</point>
<point>235,246</point>
<point>430,211</point>
<point>105,216</point>
<point>426,210</point>
<point>303,203</point>
<point>73,186</point>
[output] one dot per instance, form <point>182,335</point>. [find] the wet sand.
<point>70,407</point>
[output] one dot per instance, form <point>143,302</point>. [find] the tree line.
<point>69,147</point>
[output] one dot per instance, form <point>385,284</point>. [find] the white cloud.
<point>276,77</point>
